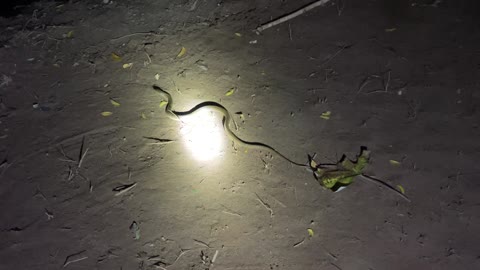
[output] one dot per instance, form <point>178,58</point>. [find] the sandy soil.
<point>399,77</point>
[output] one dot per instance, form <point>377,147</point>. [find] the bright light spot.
<point>203,134</point>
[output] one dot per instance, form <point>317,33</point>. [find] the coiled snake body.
<point>176,115</point>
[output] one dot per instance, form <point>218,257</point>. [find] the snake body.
<point>227,119</point>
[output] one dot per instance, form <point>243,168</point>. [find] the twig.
<point>135,34</point>
<point>158,140</point>
<point>149,59</point>
<point>48,214</point>
<point>75,258</point>
<point>291,15</point>
<point>290,32</point>
<point>386,84</point>
<point>123,189</point>
<point>279,202</point>
<point>182,252</point>
<point>82,158</point>
<point>366,81</point>
<point>265,205</point>
<point>67,158</point>
<point>299,243</point>
<point>214,256</point>
<point>385,184</point>
<point>336,266</point>
<point>335,54</point>
<point>201,243</point>
<point>175,85</point>
<point>230,211</point>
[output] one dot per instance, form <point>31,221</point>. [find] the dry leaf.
<point>401,189</point>
<point>326,115</point>
<point>238,34</point>
<point>313,164</point>
<point>182,52</point>
<point>115,57</point>
<point>157,77</point>
<point>394,162</point>
<point>106,113</point>
<point>310,232</point>
<point>230,92</point>
<point>144,116</point>
<point>114,103</point>
<point>129,65</point>
<point>70,34</point>
<point>162,103</point>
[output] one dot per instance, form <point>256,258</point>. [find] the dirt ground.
<point>76,103</point>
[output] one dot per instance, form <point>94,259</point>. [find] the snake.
<point>226,121</point>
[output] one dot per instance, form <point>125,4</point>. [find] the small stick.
<point>81,149</point>
<point>265,205</point>
<point>138,33</point>
<point>215,256</point>
<point>336,266</point>
<point>158,140</point>
<point>182,252</point>
<point>386,84</point>
<point>48,214</point>
<point>279,202</point>
<point>123,188</point>
<point>201,243</point>
<point>75,258</point>
<point>230,211</point>
<point>291,15</point>
<point>67,158</point>
<point>290,32</point>
<point>335,54</point>
<point>299,243</point>
<point>82,158</point>
<point>148,57</point>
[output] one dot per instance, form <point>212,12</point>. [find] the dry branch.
<point>291,15</point>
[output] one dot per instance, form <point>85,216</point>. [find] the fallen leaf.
<point>106,113</point>
<point>390,29</point>
<point>238,34</point>
<point>129,65</point>
<point>401,189</point>
<point>394,162</point>
<point>144,116</point>
<point>115,57</point>
<point>135,229</point>
<point>162,103</point>
<point>313,164</point>
<point>326,115</point>
<point>157,77</point>
<point>70,34</point>
<point>182,52</point>
<point>114,103</point>
<point>310,232</point>
<point>230,92</point>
